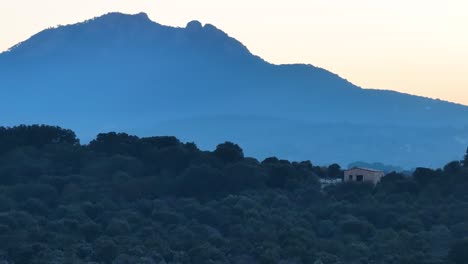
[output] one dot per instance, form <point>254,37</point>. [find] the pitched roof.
<point>365,169</point>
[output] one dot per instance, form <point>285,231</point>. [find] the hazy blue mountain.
<point>126,73</point>
<point>380,166</point>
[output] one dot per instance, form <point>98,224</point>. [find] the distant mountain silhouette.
<point>127,73</point>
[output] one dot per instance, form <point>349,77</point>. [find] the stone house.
<point>363,175</point>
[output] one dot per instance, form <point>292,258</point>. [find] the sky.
<point>413,46</point>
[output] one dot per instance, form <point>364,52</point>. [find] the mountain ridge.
<point>196,26</point>
<point>128,72</point>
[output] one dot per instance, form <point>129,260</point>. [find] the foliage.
<point>458,253</point>
<point>125,199</point>
<point>465,161</point>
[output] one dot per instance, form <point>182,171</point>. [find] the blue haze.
<point>126,73</point>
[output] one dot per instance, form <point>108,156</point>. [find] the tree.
<point>242,175</point>
<point>334,171</point>
<point>425,175</point>
<point>105,250</point>
<point>458,253</point>
<point>229,152</point>
<point>90,230</point>
<point>206,253</point>
<point>35,136</point>
<point>278,174</point>
<point>201,181</point>
<point>161,142</point>
<point>115,143</point>
<point>452,167</point>
<point>356,227</point>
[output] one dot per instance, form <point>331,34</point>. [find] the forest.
<point>125,199</point>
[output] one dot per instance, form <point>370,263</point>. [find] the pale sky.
<point>413,46</point>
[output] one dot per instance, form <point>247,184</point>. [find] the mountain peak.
<point>194,26</point>
<point>119,16</point>
<point>127,30</point>
<point>142,15</point>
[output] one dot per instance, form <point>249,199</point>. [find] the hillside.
<point>156,200</point>
<point>126,72</point>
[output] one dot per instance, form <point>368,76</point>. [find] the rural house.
<point>363,175</point>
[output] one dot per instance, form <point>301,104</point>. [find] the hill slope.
<point>125,72</point>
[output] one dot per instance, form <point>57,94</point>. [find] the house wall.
<point>368,176</point>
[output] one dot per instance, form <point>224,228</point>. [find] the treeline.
<point>125,199</point>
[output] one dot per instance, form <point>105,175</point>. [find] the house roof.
<point>365,169</point>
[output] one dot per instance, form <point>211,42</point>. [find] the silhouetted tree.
<point>334,171</point>
<point>115,143</point>
<point>229,152</point>
<point>160,142</point>
<point>278,171</point>
<point>453,167</point>
<point>425,175</point>
<point>35,136</point>
<point>458,253</point>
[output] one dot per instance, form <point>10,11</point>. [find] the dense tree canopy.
<point>125,199</point>
<point>34,136</point>
<point>229,152</point>
<point>459,252</point>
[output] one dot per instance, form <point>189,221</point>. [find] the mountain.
<point>127,73</point>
